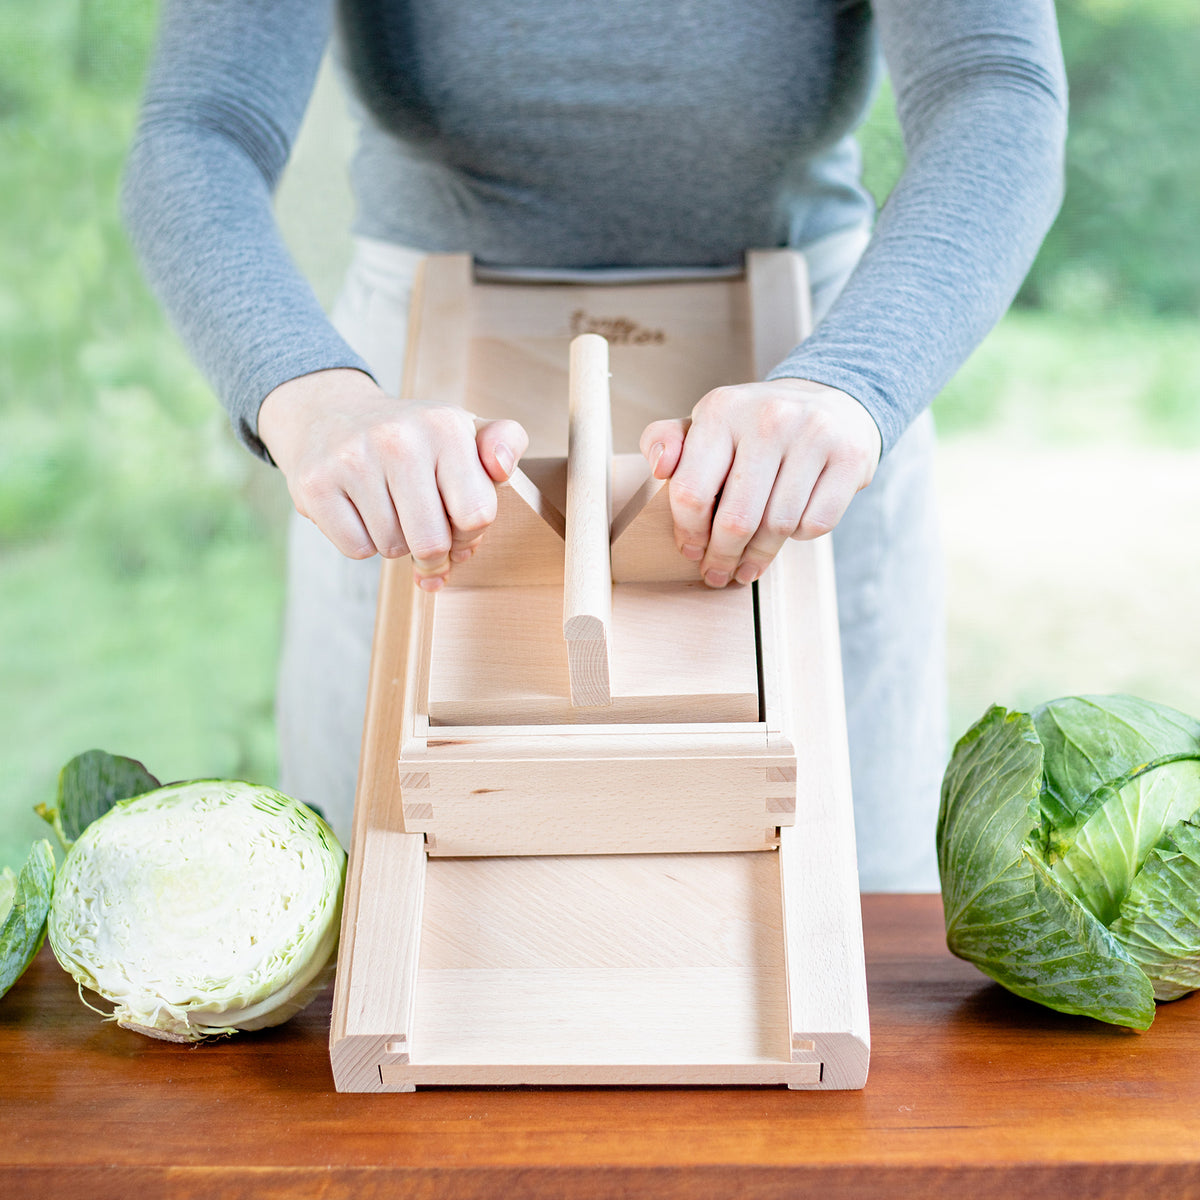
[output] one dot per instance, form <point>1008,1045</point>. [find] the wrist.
<point>296,402</point>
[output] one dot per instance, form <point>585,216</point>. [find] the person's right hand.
<point>377,474</point>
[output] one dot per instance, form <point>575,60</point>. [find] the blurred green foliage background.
<point>141,549</point>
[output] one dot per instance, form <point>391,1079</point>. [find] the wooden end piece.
<point>780,305</point>
<point>437,353</point>
<point>643,546</point>
<point>523,545</point>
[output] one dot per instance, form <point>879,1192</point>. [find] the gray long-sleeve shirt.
<point>628,133</point>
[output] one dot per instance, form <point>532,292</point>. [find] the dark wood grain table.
<point>973,1094</point>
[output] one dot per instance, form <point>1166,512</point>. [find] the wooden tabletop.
<point>972,1094</point>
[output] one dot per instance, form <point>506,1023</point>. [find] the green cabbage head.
<point>24,903</point>
<point>1069,850</point>
<point>201,908</point>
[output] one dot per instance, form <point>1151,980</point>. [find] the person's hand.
<point>759,463</point>
<point>376,474</point>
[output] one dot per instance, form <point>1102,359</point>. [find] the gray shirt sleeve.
<point>981,97</point>
<point>225,97</point>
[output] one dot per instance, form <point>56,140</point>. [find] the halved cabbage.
<point>201,909</point>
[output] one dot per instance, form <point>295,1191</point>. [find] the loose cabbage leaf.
<point>24,903</point>
<point>1092,741</point>
<point>89,785</point>
<point>1159,922</point>
<point>1005,911</point>
<point>1100,865</point>
<point>989,810</point>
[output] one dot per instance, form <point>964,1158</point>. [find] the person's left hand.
<point>759,463</point>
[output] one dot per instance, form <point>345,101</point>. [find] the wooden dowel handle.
<point>587,589</point>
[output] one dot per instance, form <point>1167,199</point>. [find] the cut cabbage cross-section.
<point>201,909</point>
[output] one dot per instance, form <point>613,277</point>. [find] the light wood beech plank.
<point>643,740</point>
<point>669,344</point>
<point>621,806</point>
<point>643,540</point>
<point>523,545</point>
<point>602,970</point>
<point>581,967</point>
<point>373,1012</point>
<point>402,1078</point>
<point>440,320</point>
<point>587,586</point>
<point>826,973</point>
<point>680,653</point>
<point>780,306</point>
<point>375,986</point>
<point>827,995</point>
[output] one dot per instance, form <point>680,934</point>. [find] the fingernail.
<point>746,573</point>
<point>693,553</point>
<point>656,453</point>
<point>717,579</point>
<point>460,556</point>
<point>504,456</point>
<point>434,583</point>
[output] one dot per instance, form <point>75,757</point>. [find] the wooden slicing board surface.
<point>613,929</point>
<point>680,652</point>
<point>669,343</point>
<point>667,961</point>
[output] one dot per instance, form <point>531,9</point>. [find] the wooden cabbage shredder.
<point>603,832</point>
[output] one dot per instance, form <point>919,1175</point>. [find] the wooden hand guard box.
<point>603,832</point>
